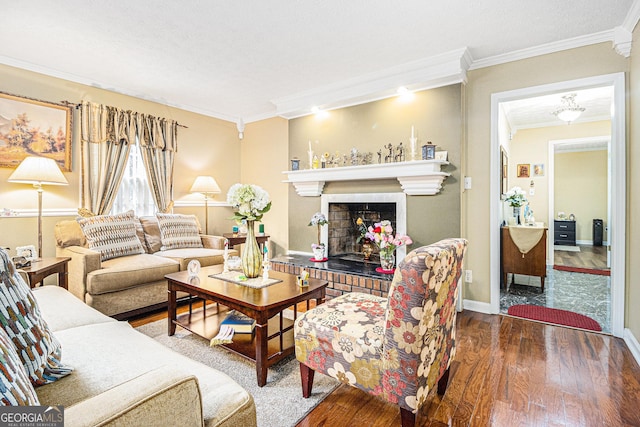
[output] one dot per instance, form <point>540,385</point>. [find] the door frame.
<point>551,183</point>
<point>617,220</point>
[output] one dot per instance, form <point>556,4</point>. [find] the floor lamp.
<point>207,186</point>
<point>38,171</point>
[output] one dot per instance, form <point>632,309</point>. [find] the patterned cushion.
<point>112,235</point>
<point>349,329</point>
<point>20,317</point>
<point>178,231</point>
<point>15,386</point>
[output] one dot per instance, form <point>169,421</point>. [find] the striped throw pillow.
<point>15,387</point>
<point>178,231</point>
<point>20,317</point>
<point>112,235</point>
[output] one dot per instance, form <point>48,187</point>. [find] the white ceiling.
<point>538,112</point>
<point>250,59</point>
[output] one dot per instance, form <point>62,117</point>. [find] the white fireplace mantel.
<point>416,177</point>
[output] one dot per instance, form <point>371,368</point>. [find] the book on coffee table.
<point>241,323</point>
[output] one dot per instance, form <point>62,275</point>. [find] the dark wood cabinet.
<point>564,232</point>
<point>533,263</point>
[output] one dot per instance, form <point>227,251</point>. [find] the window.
<point>134,193</point>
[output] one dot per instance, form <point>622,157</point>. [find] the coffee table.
<point>272,339</point>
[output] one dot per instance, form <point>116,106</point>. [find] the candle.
<point>309,145</point>
<point>412,136</point>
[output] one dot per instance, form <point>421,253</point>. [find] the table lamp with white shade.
<point>38,171</point>
<point>207,186</point>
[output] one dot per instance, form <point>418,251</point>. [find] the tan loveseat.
<point>127,285</point>
<point>122,377</point>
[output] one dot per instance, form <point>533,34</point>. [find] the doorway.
<point>616,229</point>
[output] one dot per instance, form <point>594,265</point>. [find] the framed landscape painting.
<point>29,127</point>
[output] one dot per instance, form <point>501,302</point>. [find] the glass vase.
<point>251,256</point>
<point>516,214</point>
<point>387,260</point>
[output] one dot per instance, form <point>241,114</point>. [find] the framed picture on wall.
<point>523,170</point>
<point>504,171</point>
<point>29,127</point>
<point>538,169</point>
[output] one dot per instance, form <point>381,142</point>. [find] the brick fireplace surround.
<point>343,276</point>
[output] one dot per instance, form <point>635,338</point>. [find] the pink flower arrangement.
<point>381,233</point>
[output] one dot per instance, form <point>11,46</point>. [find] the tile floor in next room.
<point>587,294</point>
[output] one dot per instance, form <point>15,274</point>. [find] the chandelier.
<point>569,111</point>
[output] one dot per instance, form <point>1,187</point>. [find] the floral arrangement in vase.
<point>516,199</point>
<point>361,229</point>
<point>318,219</point>
<point>250,202</point>
<point>382,235</point>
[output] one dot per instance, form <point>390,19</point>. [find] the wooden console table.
<point>533,263</point>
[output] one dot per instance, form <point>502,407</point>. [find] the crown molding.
<point>622,40</point>
<point>441,70</point>
<point>12,62</point>
<point>632,18</point>
<point>544,49</point>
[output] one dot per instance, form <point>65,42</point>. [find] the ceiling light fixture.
<point>569,111</point>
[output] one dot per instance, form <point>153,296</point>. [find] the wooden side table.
<point>47,266</point>
<point>239,239</point>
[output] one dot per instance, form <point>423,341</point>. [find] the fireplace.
<point>342,211</point>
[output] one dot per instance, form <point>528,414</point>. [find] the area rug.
<point>278,403</point>
<point>554,315</point>
<point>566,248</point>
<point>597,271</point>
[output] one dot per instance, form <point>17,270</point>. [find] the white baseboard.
<point>480,307</point>
<point>632,343</point>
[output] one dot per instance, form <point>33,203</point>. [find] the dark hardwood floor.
<point>589,257</point>
<point>509,372</point>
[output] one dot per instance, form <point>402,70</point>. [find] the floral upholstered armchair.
<point>398,347</point>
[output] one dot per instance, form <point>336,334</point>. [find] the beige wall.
<point>207,146</point>
<point>436,117</point>
<point>581,189</point>
<point>531,146</point>
<point>632,318</point>
<point>264,154</point>
<point>568,65</point>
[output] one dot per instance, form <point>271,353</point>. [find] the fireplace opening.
<point>343,231</point>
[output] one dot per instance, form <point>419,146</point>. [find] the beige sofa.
<point>128,285</point>
<point>122,377</point>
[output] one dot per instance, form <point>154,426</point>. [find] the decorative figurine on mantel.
<point>379,156</point>
<point>389,157</point>
<point>399,157</point>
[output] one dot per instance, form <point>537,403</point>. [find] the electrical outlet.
<point>467,183</point>
<point>468,276</point>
